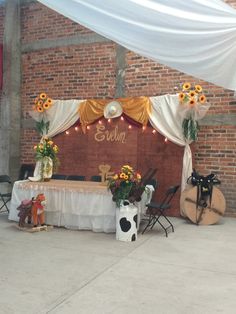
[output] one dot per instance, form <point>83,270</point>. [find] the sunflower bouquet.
<point>192,100</point>
<point>126,185</point>
<point>46,152</point>
<point>41,104</point>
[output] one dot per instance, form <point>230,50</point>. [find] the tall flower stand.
<point>126,222</point>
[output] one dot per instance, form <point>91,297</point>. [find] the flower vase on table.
<point>46,160</point>
<point>43,169</point>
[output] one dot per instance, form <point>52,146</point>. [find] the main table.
<point>72,204</point>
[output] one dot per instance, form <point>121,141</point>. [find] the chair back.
<point>75,178</point>
<point>5,179</point>
<point>96,178</point>
<point>152,182</point>
<point>26,170</point>
<point>169,195</point>
<point>5,192</point>
<point>59,176</point>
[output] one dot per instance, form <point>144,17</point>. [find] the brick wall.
<point>89,70</point>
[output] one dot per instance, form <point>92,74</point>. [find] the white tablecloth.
<point>72,204</point>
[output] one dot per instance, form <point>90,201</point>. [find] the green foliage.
<point>42,127</point>
<point>190,129</point>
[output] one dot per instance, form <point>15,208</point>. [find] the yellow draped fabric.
<point>137,108</point>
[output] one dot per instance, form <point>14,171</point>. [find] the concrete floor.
<point>193,271</point>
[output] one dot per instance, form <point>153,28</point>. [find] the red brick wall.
<point>89,70</point>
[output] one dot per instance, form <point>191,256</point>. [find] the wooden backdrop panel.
<point>115,144</point>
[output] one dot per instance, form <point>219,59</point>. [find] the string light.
<point>130,127</point>
<point>100,122</point>
<point>154,131</point>
<point>144,128</point>
<point>166,140</point>
<point>122,118</point>
<point>76,128</point>
<point>109,120</point>
<point>88,127</point>
<point>67,132</point>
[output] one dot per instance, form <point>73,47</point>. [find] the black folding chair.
<point>152,182</point>
<point>5,197</point>
<point>96,178</point>
<point>156,211</point>
<point>26,170</point>
<point>59,176</point>
<point>75,178</point>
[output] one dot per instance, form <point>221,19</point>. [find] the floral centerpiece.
<point>191,99</point>
<point>46,156</point>
<point>126,185</point>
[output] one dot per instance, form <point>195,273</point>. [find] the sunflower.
<point>122,175</point>
<point>192,93</point>
<point>55,148</point>
<point>192,102</point>
<point>115,177</point>
<point>186,86</point>
<point>39,109</point>
<point>40,103</point>
<point>49,101</point>
<point>42,96</point>
<point>202,99</point>
<point>181,97</point>
<point>46,105</point>
<point>198,88</point>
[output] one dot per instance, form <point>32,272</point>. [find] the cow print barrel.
<point>126,222</point>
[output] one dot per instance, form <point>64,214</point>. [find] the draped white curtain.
<point>62,115</point>
<point>197,37</point>
<point>166,117</point>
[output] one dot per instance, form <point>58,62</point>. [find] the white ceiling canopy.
<point>197,37</point>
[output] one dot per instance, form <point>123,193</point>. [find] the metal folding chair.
<point>5,195</point>
<point>156,211</point>
<point>152,182</point>
<point>96,178</point>
<point>59,176</point>
<point>75,178</point>
<point>26,170</point>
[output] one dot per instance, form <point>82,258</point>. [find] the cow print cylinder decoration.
<point>126,222</point>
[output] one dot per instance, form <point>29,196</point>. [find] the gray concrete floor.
<point>63,271</point>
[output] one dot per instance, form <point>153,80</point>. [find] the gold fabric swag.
<point>137,108</point>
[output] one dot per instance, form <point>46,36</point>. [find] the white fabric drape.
<point>197,37</point>
<point>62,115</point>
<point>165,117</point>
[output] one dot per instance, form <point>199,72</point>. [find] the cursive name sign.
<point>111,136</point>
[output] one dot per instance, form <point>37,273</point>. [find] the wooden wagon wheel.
<point>203,215</point>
